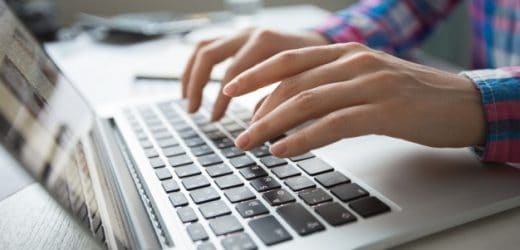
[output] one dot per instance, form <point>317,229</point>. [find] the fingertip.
<point>279,148</point>
<point>230,90</point>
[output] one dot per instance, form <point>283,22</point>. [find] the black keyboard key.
<point>180,160</point>
<point>188,133</point>
<point>261,151</point>
<point>299,183</point>
<point>228,181</point>
<point>272,161</point>
<point>186,214</point>
<point>314,166</point>
<point>278,197</point>
<point>194,142</point>
<point>331,179</point>
<point>173,151</point>
<point>170,186</point>
<point>163,174</point>
<point>251,208</point>
<point>162,134</point>
<point>151,152</point>
<point>302,157</point>
<point>224,143</point>
<point>202,195</point>
<point>157,162</point>
<point>208,160</point>
<point>218,170</point>
<point>208,128</point>
<point>164,143</point>
<point>252,172</point>
<point>269,230</point>
<point>314,196</point>
<point>185,171</point>
<point>194,182</point>
<point>214,209</point>
<point>178,199</point>
<point>197,232</point>
<point>242,161</point>
<point>264,184</point>
<point>206,246</point>
<point>225,225</point>
<point>301,220</point>
<point>201,150</point>
<point>239,241</point>
<point>369,206</point>
<point>216,135</point>
<point>348,192</point>
<point>232,152</point>
<point>239,194</point>
<point>180,126</point>
<point>285,171</point>
<point>335,214</point>
<point>232,127</point>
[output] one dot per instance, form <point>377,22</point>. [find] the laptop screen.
<point>42,121</point>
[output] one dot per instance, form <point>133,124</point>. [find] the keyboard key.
<point>272,161</point>
<point>232,152</point>
<point>264,184</point>
<point>285,171</point>
<point>188,133</point>
<point>348,192</point>
<point>186,214</point>
<point>302,157</point>
<point>252,172</point>
<point>201,150</point>
<point>237,241</point>
<point>242,161</point>
<point>216,135</point>
<point>170,186</point>
<point>218,170</point>
<point>146,144</point>
<point>314,166</point>
<point>206,246</point>
<point>196,232</point>
<point>186,171</point>
<point>163,134</point>
<point>214,209</point>
<point>164,143</point>
<point>331,179</point>
<point>151,152</point>
<point>180,126</point>
<point>204,195</point>
<point>261,151</point>
<point>224,143</point>
<point>299,183</point>
<point>251,208</point>
<point>239,194</point>
<point>369,206</point>
<point>301,220</point>
<point>278,197</point>
<point>178,199</point>
<point>232,127</point>
<point>194,142</point>
<point>335,214</point>
<point>226,120</point>
<point>173,151</point>
<point>157,162</point>
<point>207,128</point>
<point>180,160</point>
<point>228,181</point>
<point>269,230</point>
<point>194,182</point>
<point>314,196</point>
<point>208,160</point>
<point>163,174</point>
<point>225,225</point>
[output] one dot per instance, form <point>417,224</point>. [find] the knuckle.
<point>286,89</point>
<point>287,57</point>
<point>306,100</point>
<point>334,121</point>
<point>265,34</point>
<point>353,46</point>
<point>206,54</point>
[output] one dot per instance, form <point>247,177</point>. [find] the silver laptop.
<point>152,176</point>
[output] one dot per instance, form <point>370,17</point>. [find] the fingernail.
<point>242,140</point>
<point>279,148</point>
<point>230,89</point>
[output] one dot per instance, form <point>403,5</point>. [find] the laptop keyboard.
<point>251,181</point>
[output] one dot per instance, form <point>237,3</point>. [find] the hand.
<point>248,48</point>
<point>353,90</point>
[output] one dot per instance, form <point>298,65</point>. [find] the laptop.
<point>151,176</point>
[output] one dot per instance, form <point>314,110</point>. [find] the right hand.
<point>248,48</point>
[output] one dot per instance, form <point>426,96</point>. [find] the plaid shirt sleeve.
<point>394,26</point>
<point>500,91</point>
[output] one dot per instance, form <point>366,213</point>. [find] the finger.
<point>204,62</point>
<point>281,66</point>
<point>187,71</point>
<point>307,105</point>
<point>345,123</point>
<point>259,103</point>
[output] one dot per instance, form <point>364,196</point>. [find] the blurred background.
<point>449,42</point>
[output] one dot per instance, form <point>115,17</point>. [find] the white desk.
<point>30,219</point>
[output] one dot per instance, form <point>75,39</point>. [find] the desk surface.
<point>30,219</point>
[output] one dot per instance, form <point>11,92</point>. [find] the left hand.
<point>353,90</point>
